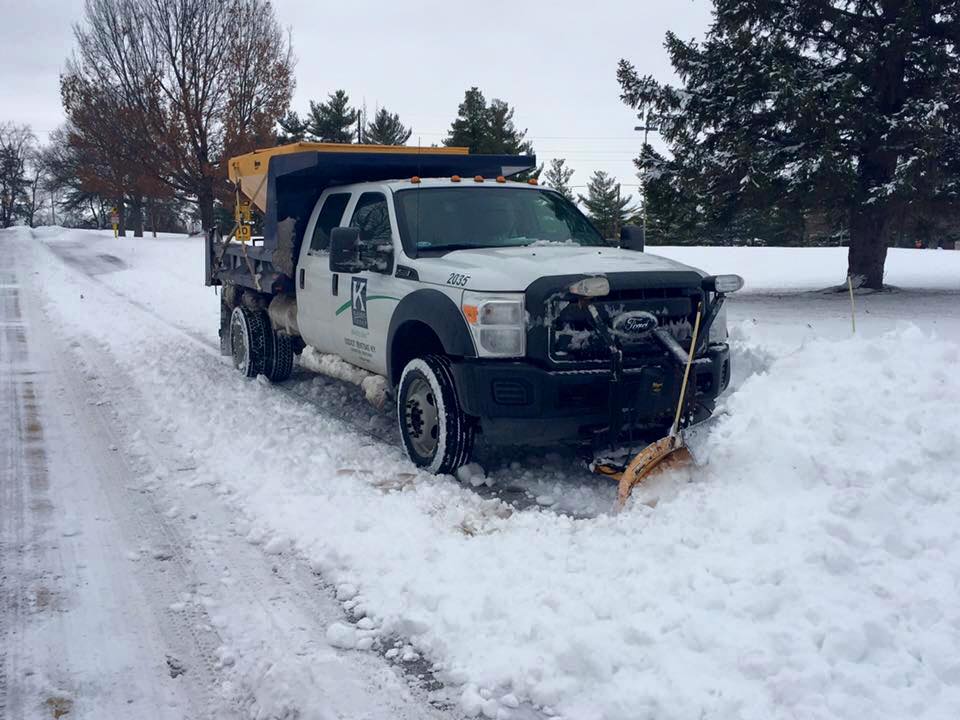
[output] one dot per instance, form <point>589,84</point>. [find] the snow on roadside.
<point>810,570</point>
<point>792,269</point>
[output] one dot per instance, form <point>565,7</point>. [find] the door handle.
<point>303,274</point>
<point>335,284</point>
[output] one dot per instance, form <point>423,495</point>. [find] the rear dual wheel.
<point>257,349</point>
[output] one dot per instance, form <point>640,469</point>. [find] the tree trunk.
<point>136,215</point>
<point>205,201</point>
<point>152,214</point>
<point>869,227</point>
<point>122,217</point>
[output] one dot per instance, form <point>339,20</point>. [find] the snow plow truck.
<point>491,306</point>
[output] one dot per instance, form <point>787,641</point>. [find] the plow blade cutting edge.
<point>669,452</point>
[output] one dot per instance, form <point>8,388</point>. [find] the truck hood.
<point>513,269</point>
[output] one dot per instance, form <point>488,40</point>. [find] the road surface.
<point>121,595</point>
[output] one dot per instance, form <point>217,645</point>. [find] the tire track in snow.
<point>11,515</point>
<point>190,636</point>
<point>24,474</point>
<point>296,615</point>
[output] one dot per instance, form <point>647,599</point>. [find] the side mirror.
<point>345,250</point>
<point>632,237</point>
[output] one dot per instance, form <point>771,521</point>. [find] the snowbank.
<point>777,269</point>
<point>810,570</point>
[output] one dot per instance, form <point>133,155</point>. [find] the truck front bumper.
<point>519,402</point>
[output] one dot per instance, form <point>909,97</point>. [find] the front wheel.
<point>437,434</point>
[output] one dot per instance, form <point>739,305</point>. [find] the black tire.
<point>250,340</point>
<point>428,409</point>
<point>280,361</point>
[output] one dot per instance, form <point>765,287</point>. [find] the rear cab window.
<point>371,216</point>
<point>331,214</point>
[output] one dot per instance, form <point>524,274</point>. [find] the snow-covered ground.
<point>810,568</point>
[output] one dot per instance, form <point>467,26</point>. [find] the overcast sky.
<point>554,61</point>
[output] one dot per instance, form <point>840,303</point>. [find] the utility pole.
<point>616,227</point>
<point>647,127</point>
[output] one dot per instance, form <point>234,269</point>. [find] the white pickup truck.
<point>491,307</point>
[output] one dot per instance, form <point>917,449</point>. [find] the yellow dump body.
<point>249,172</point>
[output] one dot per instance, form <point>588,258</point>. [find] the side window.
<point>372,218</point>
<point>330,216</point>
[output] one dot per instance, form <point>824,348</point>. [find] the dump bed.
<point>285,182</point>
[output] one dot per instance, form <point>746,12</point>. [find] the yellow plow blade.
<point>668,453</point>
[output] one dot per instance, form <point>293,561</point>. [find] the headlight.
<point>497,323</point>
<point>722,283</point>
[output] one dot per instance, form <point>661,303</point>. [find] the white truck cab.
<point>492,307</point>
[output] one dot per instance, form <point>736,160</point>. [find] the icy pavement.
<point>809,570</point>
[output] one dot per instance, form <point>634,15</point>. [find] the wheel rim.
<point>238,341</point>
<point>421,417</point>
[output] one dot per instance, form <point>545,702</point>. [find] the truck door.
<point>317,297</point>
<point>369,297</point>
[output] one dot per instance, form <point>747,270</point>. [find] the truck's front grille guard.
<point>680,326</point>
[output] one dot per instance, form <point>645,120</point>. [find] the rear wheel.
<point>436,433</point>
<point>250,340</point>
<point>280,360</point>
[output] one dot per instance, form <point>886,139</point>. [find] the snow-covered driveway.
<point>811,569</point>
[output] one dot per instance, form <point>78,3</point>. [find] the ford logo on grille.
<point>635,324</point>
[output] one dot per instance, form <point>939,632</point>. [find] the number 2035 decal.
<point>458,280</point>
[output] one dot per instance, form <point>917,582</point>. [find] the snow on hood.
<point>514,268</point>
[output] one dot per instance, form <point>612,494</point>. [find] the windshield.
<point>458,218</point>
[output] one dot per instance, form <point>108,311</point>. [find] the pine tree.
<point>472,126</point>
<point>386,129</point>
<point>504,138</point>
<point>486,129</point>
<point>332,121</point>
<point>605,205</point>
<point>797,108</point>
<point>292,128</point>
<point>557,176</point>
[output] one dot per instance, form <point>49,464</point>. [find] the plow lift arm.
<point>671,450</point>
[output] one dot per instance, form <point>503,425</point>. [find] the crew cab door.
<point>317,295</point>
<point>369,297</point>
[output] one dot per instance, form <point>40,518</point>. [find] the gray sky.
<point>555,62</point>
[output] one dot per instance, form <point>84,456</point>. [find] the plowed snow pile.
<point>811,570</point>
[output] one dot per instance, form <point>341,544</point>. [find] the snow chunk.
<point>471,702</point>
<point>473,474</point>
<point>346,591</point>
<point>375,387</point>
<point>342,636</point>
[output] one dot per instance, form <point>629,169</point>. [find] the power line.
<point>550,137</point>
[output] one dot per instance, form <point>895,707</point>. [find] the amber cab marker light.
<point>532,181</point>
<point>454,178</point>
<point>501,179</point>
<point>415,180</point>
<point>478,178</point>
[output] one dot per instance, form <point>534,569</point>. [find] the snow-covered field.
<point>810,568</point>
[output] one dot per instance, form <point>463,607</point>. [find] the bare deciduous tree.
<point>17,144</point>
<point>202,79</point>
